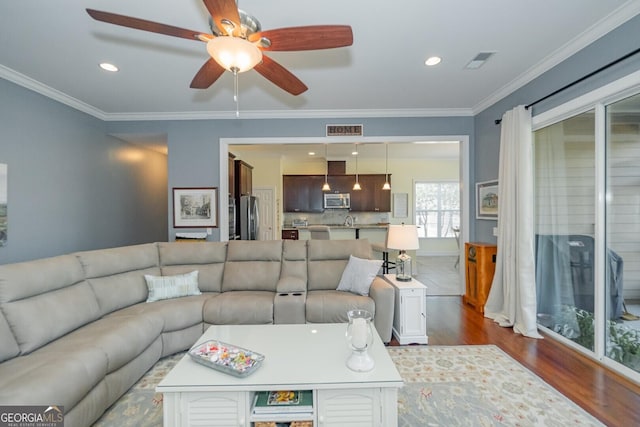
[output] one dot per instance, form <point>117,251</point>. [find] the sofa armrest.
<point>291,284</point>
<point>383,295</point>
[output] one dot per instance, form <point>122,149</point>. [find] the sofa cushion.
<point>177,314</point>
<point>116,274</point>
<point>358,275</point>
<point>252,265</point>
<point>332,306</point>
<point>69,375</point>
<point>206,257</point>
<point>327,260</point>
<point>44,299</point>
<point>121,338</point>
<point>239,308</point>
<point>168,287</point>
<point>8,346</point>
<point>294,259</point>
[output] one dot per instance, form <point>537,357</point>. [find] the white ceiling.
<point>54,47</point>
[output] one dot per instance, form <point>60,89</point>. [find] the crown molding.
<point>599,29</point>
<point>288,114</point>
<point>35,86</point>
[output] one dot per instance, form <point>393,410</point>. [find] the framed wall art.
<point>400,205</point>
<point>487,200</point>
<point>195,207</point>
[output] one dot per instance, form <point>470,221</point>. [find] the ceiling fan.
<point>237,43</point>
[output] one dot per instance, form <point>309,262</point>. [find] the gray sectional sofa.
<point>76,330</point>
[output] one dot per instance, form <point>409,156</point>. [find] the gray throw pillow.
<point>358,275</point>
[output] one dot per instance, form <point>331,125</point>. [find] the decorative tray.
<point>227,358</point>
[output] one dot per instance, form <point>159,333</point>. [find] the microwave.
<point>337,201</point>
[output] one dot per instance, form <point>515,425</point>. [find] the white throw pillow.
<point>165,287</point>
<point>358,275</point>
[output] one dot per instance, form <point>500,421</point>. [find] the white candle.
<point>359,333</point>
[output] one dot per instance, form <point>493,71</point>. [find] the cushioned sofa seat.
<point>239,308</point>
<point>182,319</point>
<point>34,378</point>
<point>332,306</point>
<point>120,338</point>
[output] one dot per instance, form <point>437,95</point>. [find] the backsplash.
<point>338,216</point>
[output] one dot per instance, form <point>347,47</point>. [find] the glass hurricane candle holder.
<point>359,338</point>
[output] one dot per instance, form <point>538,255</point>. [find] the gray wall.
<point>612,46</point>
<point>194,144</point>
<point>70,186</point>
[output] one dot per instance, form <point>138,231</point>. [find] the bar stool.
<point>320,232</point>
<point>386,264</point>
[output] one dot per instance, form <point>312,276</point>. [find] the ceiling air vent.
<point>479,60</point>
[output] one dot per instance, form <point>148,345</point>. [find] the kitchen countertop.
<point>339,226</point>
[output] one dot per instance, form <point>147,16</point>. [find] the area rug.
<point>444,386</point>
<point>477,386</point>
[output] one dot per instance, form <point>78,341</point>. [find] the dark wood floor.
<point>608,396</point>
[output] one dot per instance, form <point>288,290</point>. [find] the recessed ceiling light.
<point>312,153</point>
<point>108,67</point>
<point>434,60</point>
<point>354,153</point>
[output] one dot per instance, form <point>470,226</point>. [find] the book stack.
<point>294,404</point>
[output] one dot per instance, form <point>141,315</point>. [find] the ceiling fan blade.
<point>224,9</point>
<point>142,24</point>
<point>207,75</point>
<point>280,76</point>
<point>306,38</point>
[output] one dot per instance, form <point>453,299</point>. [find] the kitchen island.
<point>343,232</point>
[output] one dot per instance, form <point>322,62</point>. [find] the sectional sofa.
<point>76,330</point>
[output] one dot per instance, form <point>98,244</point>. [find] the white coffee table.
<point>297,357</point>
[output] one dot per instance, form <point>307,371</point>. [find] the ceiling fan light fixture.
<point>234,54</point>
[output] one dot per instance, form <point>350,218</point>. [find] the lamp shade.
<point>402,237</point>
<point>234,53</point>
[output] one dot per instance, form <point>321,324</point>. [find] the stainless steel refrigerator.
<point>249,218</point>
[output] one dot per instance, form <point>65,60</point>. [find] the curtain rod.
<point>575,82</point>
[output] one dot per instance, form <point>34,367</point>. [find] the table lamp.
<point>403,238</point>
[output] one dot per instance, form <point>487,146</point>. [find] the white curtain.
<point>512,299</point>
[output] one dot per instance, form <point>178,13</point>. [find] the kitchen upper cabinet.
<point>372,198</point>
<point>302,193</point>
<point>341,183</point>
<point>243,178</point>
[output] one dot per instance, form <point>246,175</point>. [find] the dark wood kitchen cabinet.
<point>243,178</point>
<point>341,183</point>
<point>232,175</point>
<point>372,198</point>
<point>302,193</point>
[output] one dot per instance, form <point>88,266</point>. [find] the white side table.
<point>410,314</point>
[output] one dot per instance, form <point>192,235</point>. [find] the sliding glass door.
<point>622,280</point>
<point>587,223</point>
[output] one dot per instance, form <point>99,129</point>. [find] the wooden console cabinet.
<point>480,265</point>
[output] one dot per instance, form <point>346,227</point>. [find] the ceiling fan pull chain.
<point>235,92</point>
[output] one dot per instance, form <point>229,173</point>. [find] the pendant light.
<point>386,185</point>
<point>356,186</point>
<point>325,186</point>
